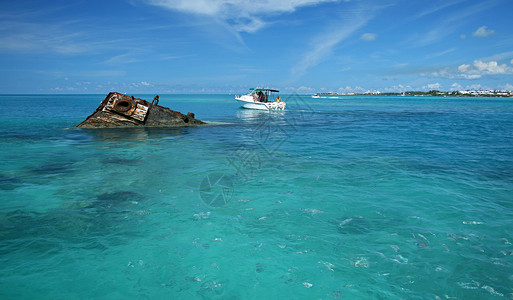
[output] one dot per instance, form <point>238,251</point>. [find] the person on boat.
<point>260,96</point>
<point>278,99</point>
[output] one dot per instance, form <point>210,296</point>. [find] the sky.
<point>228,46</point>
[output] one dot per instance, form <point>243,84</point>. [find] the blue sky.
<point>227,46</point>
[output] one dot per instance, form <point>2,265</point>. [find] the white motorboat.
<point>330,95</point>
<point>263,99</point>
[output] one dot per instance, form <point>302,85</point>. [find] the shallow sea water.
<point>355,198</point>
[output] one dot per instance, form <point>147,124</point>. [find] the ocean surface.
<point>364,197</point>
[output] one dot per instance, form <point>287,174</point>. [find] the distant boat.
<point>262,99</point>
<point>330,95</point>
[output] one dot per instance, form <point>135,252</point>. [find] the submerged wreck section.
<point>119,110</point>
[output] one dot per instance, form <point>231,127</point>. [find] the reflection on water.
<point>254,115</point>
<point>135,133</point>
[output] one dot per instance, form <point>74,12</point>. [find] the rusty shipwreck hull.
<point>119,110</point>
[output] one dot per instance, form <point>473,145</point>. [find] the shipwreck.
<point>119,110</point>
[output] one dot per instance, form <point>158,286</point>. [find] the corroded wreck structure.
<point>118,110</point>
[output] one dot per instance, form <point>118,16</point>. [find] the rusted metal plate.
<point>127,106</point>
<point>140,112</point>
<point>110,103</point>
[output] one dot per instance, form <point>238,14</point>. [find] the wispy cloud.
<point>442,53</point>
<point>126,58</point>
<point>435,8</point>
<point>241,15</point>
<point>449,25</point>
<point>323,45</point>
<point>142,55</point>
<point>49,28</point>
<point>70,75</point>
<point>323,48</point>
<point>369,37</point>
<point>64,37</point>
<point>18,36</point>
<point>500,56</point>
<point>483,31</point>
<point>433,36</point>
<point>428,9</point>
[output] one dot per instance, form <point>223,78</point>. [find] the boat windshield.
<point>265,95</point>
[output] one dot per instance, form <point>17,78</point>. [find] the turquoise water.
<point>359,198</point>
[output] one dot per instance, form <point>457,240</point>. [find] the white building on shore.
<point>503,93</point>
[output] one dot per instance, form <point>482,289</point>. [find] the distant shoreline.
<point>433,93</point>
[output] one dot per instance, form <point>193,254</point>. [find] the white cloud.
<point>477,69</point>
<point>480,68</point>
<point>446,72</point>
<point>244,15</point>
<point>483,32</point>
<point>349,89</point>
<point>491,67</point>
<point>456,87</point>
<point>304,89</point>
<point>432,86</point>
<point>369,37</point>
<point>474,87</point>
<point>397,88</point>
<point>508,87</point>
<point>464,68</point>
<point>224,7</point>
<point>467,76</point>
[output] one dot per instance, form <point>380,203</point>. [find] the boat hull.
<point>249,103</point>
